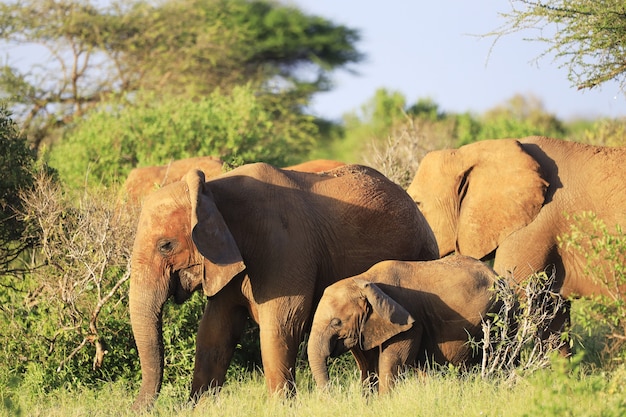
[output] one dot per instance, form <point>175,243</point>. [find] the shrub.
<point>68,313</point>
<point>66,323</point>
<point>408,142</point>
<point>237,127</point>
<point>605,254</point>
<point>17,165</point>
<point>516,338</point>
<point>606,132</point>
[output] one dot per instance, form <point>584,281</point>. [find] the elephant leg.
<point>559,327</point>
<point>368,366</point>
<point>220,329</point>
<point>393,358</point>
<point>281,336</point>
<point>515,263</point>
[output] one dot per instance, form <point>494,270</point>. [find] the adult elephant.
<point>402,313</point>
<point>261,242</point>
<point>512,199</point>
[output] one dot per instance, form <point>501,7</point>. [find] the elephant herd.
<point>347,256</point>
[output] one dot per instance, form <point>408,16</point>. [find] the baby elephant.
<point>403,313</point>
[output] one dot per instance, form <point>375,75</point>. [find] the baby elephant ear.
<point>212,237</point>
<point>388,318</point>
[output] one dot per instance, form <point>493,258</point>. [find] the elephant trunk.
<point>318,351</point>
<point>146,310</point>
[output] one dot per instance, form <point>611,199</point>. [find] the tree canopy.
<point>588,37</point>
<point>176,47</point>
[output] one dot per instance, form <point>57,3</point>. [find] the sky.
<point>433,49</point>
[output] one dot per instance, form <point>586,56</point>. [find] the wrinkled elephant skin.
<point>260,242</point>
<point>402,313</point>
<point>512,200</point>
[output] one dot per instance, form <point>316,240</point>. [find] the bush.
<point>68,314</point>
<point>399,157</point>
<point>17,164</point>
<point>66,322</point>
<point>239,127</point>
<point>606,132</point>
<point>605,254</point>
<point>515,339</point>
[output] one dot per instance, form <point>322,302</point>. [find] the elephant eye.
<point>335,322</point>
<point>165,246</point>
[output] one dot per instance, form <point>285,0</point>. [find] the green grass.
<point>586,385</point>
<point>566,390</point>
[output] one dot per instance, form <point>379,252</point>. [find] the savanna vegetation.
<point>134,84</point>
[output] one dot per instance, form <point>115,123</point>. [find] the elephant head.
<point>173,255</point>
<point>353,313</point>
<point>475,196</point>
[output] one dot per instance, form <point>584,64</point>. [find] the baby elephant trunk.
<point>318,352</point>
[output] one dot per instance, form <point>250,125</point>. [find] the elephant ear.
<point>388,318</point>
<point>212,237</point>
<point>501,190</point>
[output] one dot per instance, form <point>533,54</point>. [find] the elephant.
<point>511,200</point>
<point>316,165</point>
<point>144,180</point>
<point>262,243</point>
<point>403,313</point>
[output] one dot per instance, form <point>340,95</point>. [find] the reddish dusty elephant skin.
<point>316,165</point>
<point>260,242</point>
<point>404,313</point>
<point>513,199</point>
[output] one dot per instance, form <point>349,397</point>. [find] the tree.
<point>16,174</point>
<point>588,36</point>
<point>181,47</point>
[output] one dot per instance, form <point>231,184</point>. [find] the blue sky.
<point>427,49</point>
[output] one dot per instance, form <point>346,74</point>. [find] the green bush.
<point>17,165</point>
<point>66,322</point>
<point>605,254</point>
<point>239,127</point>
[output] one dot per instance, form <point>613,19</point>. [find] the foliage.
<point>606,132</point>
<point>408,142</point>
<point>568,389</point>
<point>68,314</point>
<point>184,48</point>
<point>516,337</point>
<point>383,122</point>
<point>17,166</point>
<point>587,36</point>
<point>518,117</point>
<point>605,254</point>
<point>237,127</point>
<point>66,323</point>
<point>386,120</point>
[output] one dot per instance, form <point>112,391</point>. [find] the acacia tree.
<point>587,36</point>
<point>181,47</point>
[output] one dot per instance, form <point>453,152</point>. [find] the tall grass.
<point>567,389</point>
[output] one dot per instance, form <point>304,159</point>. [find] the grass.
<point>589,384</point>
<point>568,389</point>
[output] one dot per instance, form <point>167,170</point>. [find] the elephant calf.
<point>403,313</point>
